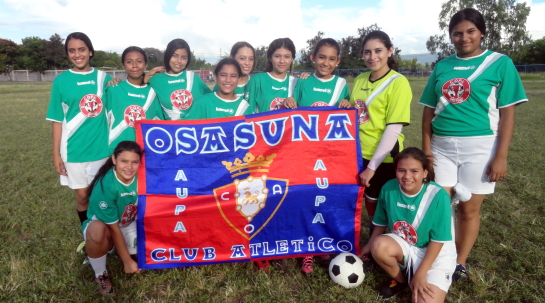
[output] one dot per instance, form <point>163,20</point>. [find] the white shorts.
<point>440,273</point>
<point>80,175</point>
<point>464,160</point>
<point>129,233</point>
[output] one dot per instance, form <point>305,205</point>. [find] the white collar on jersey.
<point>135,86</point>
<point>411,196</point>
<point>83,73</point>
<point>115,174</point>
<point>323,80</point>
<point>175,75</point>
<point>225,100</point>
<point>469,58</point>
<point>278,79</point>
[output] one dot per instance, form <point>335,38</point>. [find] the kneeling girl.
<point>418,213</point>
<point>112,213</point>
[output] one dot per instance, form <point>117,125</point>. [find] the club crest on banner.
<point>248,204</point>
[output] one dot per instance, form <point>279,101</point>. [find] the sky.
<point>211,27</point>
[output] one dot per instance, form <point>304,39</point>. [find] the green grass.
<point>39,230</point>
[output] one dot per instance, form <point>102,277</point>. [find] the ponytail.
<point>130,146</point>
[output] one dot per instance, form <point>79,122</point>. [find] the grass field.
<point>39,229</point>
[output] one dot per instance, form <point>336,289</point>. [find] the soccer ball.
<point>346,270</point>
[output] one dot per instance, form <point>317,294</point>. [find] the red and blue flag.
<point>273,185</point>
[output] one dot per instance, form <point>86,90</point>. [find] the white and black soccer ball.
<point>346,270</point>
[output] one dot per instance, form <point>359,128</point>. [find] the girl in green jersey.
<point>244,53</point>
<point>176,87</point>
<point>112,213</point>
<point>224,102</point>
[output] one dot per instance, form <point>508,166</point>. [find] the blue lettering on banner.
<point>186,141</point>
<point>300,127</point>
<point>245,136</point>
<point>238,252</point>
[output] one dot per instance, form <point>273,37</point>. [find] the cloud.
<point>209,26</point>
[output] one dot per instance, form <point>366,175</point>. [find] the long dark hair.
<point>384,39</point>
<point>239,45</point>
<point>277,44</point>
<point>135,49</point>
<point>469,14</point>
<point>130,146</point>
<point>420,156</point>
<point>172,47</point>
<point>80,36</point>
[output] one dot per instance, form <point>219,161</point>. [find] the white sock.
<point>461,193</point>
<point>99,265</point>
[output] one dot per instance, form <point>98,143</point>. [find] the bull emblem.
<point>456,90</point>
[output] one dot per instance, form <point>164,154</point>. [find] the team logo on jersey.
<point>277,103</point>
<point>103,205</point>
<point>91,105</point>
<point>133,113</point>
<point>363,111</point>
<point>456,90</point>
<point>319,103</point>
<point>249,203</point>
<point>129,215</point>
<point>181,99</point>
<point>406,231</point>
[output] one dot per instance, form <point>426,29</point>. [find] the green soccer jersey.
<point>212,106</point>
<point>467,94</point>
<point>128,103</point>
<point>240,91</point>
<point>314,91</point>
<point>379,103</point>
<point>417,219</point>
<point>112,201</point>
<point>177,92</point>
<point>268,93</point>
<point>79,103</point>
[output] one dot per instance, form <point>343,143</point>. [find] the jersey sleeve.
<point>156,110</point>
<point>103,203</point>
<point>510,91</point>
<point>55,112</point>
<point>399,104</point>
<point>298,92</point>
<point>429,97</point>
<point>441,230</point>
<point>345,94</point>
<point>380,218</point>
<point>253,93</point>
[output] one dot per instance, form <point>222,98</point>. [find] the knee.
<point>81,196</point>
<point>468,213</point>
<point>380,247</point>
<point>97,232</point>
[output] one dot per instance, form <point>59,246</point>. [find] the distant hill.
<point>422,58</point>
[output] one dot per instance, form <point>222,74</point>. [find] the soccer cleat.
<point>85,261</point>
<point>81,248</point>
<point>105,284</point>
<point>308,265</point>
<point>391,289</point>
<point>460,273</point>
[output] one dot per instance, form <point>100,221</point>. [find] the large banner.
<point>274,185</point>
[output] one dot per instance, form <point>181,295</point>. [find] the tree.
<point>34,54</point>
<point>106,59</point>
<point>155,57</point>
<point>261,58</point>
<point>55,55</point>
<point>305,62</point>
<point>505,25</point>
<point>534,53</point>
<point>351,48</point>
<point>10,55</point>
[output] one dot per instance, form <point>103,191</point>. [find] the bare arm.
<point>130,265</point>
<point>56,128</point>
<point>366,250</point>
<point>153,71</point>
<point>497,169</point>
<point>427,132</point>
<point>419,283</point>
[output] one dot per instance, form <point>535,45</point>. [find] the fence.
<point>49,75</point>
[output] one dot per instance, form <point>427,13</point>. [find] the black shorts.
<point>384,173</point>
